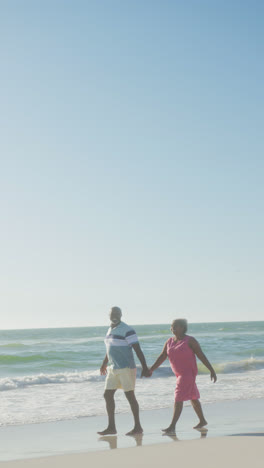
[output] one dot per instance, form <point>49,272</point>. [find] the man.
<point>120,341</point>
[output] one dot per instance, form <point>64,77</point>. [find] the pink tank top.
<point>181,356</point>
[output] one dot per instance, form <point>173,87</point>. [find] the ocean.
<point>53,374</point>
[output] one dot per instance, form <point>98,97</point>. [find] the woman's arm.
<point>194,345</point>
<point>162,357</point>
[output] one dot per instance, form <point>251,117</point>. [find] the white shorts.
<point>121,378</point>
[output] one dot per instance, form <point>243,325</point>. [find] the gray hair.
<point>182,323</point>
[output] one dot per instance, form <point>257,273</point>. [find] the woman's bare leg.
<point>198,410</point>
<point>176,414</point>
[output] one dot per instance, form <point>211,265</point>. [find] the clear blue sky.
<point>131,161</point>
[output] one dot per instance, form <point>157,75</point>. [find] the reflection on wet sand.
<point>138,438</point>
<point>112,440</point>
<point>203,431</point>
<point>171,435</point>
<point>174,437</point>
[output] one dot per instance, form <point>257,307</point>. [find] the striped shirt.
<point>118,342</point>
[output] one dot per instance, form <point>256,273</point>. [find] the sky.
<point>131,161</point>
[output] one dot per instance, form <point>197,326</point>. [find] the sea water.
<point>53,374</point>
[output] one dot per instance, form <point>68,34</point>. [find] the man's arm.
<point>162,357</point>
<point>103,369</point>
<point>141,357</point>
<point>194,345</point>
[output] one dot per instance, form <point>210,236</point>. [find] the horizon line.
<point>135,325</point>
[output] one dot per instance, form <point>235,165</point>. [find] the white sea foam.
<point>71,400</point>
<point>49,375</point>
<point>12,383</point>
<point>9,383</point>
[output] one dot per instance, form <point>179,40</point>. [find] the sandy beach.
<point>241,451</point>
<point>234,434</point>
<point>132,260</point>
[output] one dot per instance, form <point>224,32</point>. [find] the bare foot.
<point>201,424</point>
<point>107,431</point>
<point>169,430</point>
<point>135,431</point>
<point>171,435</point>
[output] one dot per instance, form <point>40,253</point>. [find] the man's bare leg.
<point>135,410</point>
<point>110,408</point>
<point>198,410</point>
<point>176,414</point>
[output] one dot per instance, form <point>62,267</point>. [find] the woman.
<point>182,351</point>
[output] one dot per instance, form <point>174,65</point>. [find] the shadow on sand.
<point>255,434</point>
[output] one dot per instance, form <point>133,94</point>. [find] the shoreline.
<point>216,452</point>
<point>64,438</point>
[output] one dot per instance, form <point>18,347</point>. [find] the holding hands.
<point>146,372</point>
